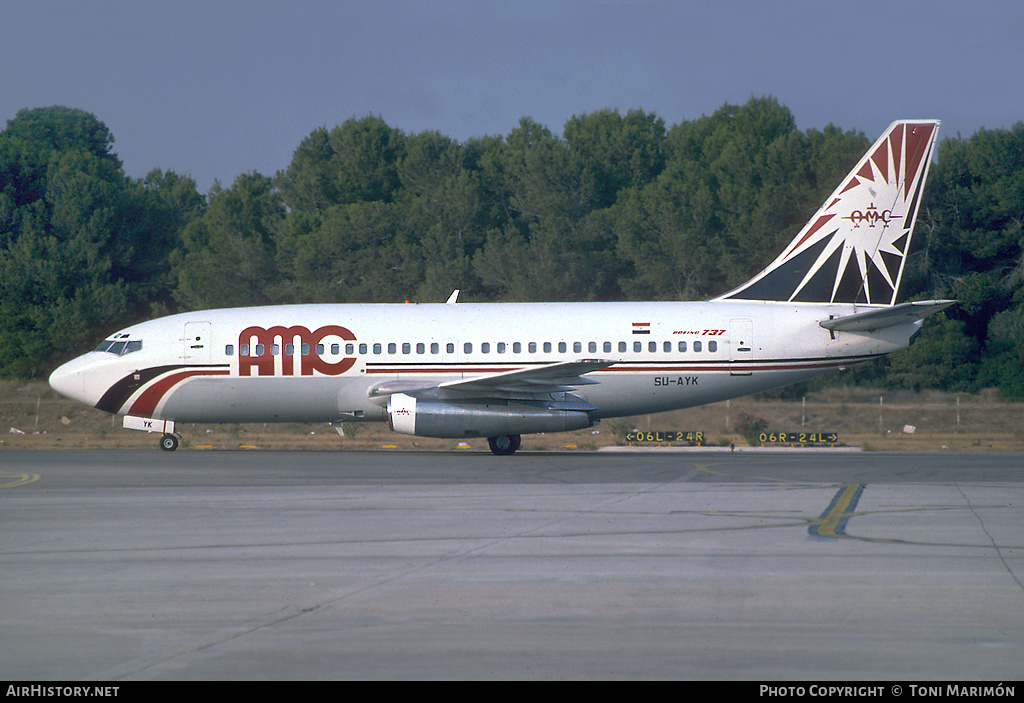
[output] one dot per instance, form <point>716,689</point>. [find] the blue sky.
<point>216,88</point>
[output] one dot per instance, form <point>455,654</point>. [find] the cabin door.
<point>741,346</point>
<point>198,342</point>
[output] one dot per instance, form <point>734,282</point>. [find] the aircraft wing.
<point>880,318</point>
<point>528,382</point>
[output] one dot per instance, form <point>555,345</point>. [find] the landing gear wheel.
<point>168,443</point>
<point>505,444</point>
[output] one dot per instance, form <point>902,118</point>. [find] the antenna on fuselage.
<point>454,297</point>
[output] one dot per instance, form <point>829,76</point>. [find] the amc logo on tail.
<point>297,335</point>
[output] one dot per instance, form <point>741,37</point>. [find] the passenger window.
<point>607,346</point>
<point>260,349</point>
<point>450,348</point>
<point>406,348</point>
<point>243,350</point>
<point>696,346</point>
<point>667,346</point>
<point>320,349</point>
<point>622,347</point>
<point>349,349</point>
<point>562,347</point>
<point>335,349</point>
<point>275,349</point>
<point>392,348</point>
<point>421,348</point>
<point>304,350</point>
<point>376,348</point>
<point>712,346</point>
<point>532,347</point>
<point>467,348</point>
<point>547,347</point>
<point>229,350</point>
<point>435,348</point>
<point>485,348</point>
<point>682,346</point>
<point>637,347</point>
<point>577,347</point>
<point>289,349</point>
<point>517,348</point>
<point>362,348</point>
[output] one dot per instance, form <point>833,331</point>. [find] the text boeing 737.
<point>501,370</point>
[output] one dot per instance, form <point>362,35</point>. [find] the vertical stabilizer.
<point>854,248</point>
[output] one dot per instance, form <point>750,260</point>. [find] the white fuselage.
<point>503,370</point>
<point>250,364</point>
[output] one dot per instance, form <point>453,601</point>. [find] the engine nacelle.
<point>490,418</point>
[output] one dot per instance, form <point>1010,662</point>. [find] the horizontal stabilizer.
<point>880,318</point>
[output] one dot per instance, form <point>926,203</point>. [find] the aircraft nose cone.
<point>72,380</point>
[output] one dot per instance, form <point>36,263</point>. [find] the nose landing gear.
<point>169,440</point>
<point>168,443</point>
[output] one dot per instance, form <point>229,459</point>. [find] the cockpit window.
<point>119,347</point>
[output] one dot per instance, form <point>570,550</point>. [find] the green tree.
<point>365,160</point>
<point>356,161</point>
<point>70,241</point>
<point>62,129</point>
<point>941,356</point>
<point>228,253</point>
<point>350,253</point>
<point>1003,365</point>
<point>307,185</point>
<point>444,214</point>
<point>616,152</point>
<point>543,182</point>
<point>737,185</point>
<point>971,239</point>
<point>542,268</point>
<point>163,204</point>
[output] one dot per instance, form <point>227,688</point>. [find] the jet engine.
<point>483,418</point>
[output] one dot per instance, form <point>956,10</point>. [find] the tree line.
<point>619,207</point>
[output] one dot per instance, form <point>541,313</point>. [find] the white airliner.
<point>501,370</point>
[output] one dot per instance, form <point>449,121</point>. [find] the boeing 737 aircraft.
<point>501,370</point>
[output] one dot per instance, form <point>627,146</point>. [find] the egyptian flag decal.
<point>641,328</point>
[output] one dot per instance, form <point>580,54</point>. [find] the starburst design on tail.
<point>854,248</point>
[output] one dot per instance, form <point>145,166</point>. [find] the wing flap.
<point>560,377</point>
<point>552,378</point>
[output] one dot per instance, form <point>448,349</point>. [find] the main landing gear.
<point>168,442</point>
<point>504,444</point>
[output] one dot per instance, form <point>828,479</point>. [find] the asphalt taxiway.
<point>128,565</point>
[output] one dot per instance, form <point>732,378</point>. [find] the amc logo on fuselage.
<point>297,343</point>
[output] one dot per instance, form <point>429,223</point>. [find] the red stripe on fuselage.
<point>145,404</point>
<point>650,366</point>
